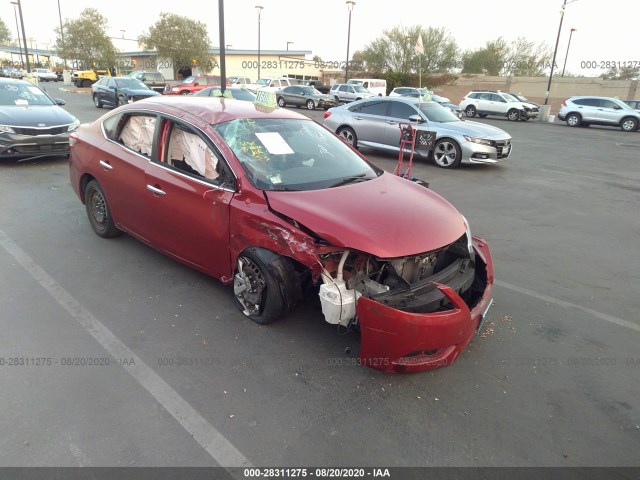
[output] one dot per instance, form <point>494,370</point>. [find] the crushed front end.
<point>414,313</point>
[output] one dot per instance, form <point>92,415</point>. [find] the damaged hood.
<point>387,217</point>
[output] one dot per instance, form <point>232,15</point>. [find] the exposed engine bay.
<point>407,284</point>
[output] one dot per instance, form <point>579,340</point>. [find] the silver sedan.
<point>375,123</point>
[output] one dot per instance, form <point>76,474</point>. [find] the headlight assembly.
<point>6,129</point>
<point>479,141</point>
<point>73,126</point>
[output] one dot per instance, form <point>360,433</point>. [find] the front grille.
<point>54,148</point>
<point>40,131</point>
<point>500,143</point>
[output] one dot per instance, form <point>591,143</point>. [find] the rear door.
<point>188,192</point>
<point>588,108</point>
<point>370,121</point>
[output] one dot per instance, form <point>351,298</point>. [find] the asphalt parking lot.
<point>180,378</point>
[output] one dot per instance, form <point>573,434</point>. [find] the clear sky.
<point>604,32</point>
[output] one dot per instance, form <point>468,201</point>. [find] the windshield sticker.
<point>35,90</point>
<point>274,143</point>
<point>19,101</point>
<point>275,179</point>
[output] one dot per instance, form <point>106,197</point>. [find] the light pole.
<point>288,45</point>
<point>62,33</point>
<point>15,13</point>
<point>24,38</point>
<point>567,55</point>
<point>259,10</point>
<point>555,51</point>
<point>350,5</point>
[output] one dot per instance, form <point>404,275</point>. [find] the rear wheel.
<point>310,105</point>
<point>281,102</point>
<point>447,153</point>
<point>470,111</point>
<point>98,211</point>
<point>184,92</point>
<point>513,115</point>
<point>574,120</point>
<point>257,292</point>
<point>86,83</point>
<point>348,135</point>
<point>629,124</point>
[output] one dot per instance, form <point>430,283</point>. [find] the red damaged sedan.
<point>277,205</point>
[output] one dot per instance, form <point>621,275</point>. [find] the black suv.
<point>153,80</point>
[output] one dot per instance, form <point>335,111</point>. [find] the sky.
<point>321,26</point>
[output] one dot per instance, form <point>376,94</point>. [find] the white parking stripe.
<point>220,449</point>
<point>562,303</point>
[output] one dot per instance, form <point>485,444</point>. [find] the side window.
<point>136,132</point>
<point>497,98</point>
<point>401,110</point>
<point>110,126</point>
<point>343,88</point>
<point>110,82</point>
<point>587,102</point>
<point>376,108</point>
<point>608,104</point>
<point>185,150</point>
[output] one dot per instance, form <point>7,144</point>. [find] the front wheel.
<point>257,292</point>
<point>184,92</point>
<point>86,83</point>
<point>96,101</point>
<point>281,102</point>
<point>470,111</point>
<point>310,105</point>
<point>348,135</point>
<point>629,124</point>
<point>98,211</point>
<point>513,115</point>
<point>447,153</point>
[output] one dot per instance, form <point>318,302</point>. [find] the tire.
<point>311,105</point>
<point>98,211</point>
<point>120,100</point>
<point>257,293</point>
<point>348,135</point>
<point>86,83</point>
<point>184,92</point>
<point>447,153</point>
<point>629,124</point>
<point>574,120</point>
<point>482,115</point>
<point>96,101</point>
<point>281,102</point>
<point>470,111</point>
<point>513,115</point>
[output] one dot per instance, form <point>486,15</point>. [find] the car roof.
<point>215,110</point>
<point>593,96</point>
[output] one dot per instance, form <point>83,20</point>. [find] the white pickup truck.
<point>272,84</point>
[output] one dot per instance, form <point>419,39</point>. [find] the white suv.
<point>584,111</point>
<point>487,102</point>
<point>45,75</point>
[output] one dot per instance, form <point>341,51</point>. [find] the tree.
<point>521,58</point>
<point>488,60</point>
<point>180,40</point>
<point>396,50</point>
<point>621,73</point>
<point>5,34</point>
<point>86,41</point>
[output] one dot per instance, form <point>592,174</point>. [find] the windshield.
<point>263,81</point>
<point>522,98</point>
<point>355,82</point>
<point>20,94</point>
<point>130,83</point>
<point>310,91</point>
<point>510,98</point>
<point>437,113</point>
<point>189,80</point>
<point>284,154</point>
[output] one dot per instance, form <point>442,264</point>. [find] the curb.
<point>76,90</point>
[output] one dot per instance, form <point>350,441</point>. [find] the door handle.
<point>105,165</point>
<point>155,190</point>
<point>391,122</point>
<point>357,118</point>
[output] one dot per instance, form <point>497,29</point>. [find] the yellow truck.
<point>86,78</point>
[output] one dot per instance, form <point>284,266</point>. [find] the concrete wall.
<point>534,88</point>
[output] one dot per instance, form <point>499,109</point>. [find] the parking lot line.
<point>220,449</point>
<point>562,303</point>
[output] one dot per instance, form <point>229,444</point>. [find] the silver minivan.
<point>585,111</point>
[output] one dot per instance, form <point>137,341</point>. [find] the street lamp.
<point>15,13</point>
<point>350,5</point>
<point>567,55</point>
<point>259,10</point>
<point>288,45</point>
<point>555,51</point>
<point>62,33</point>
<point>24,38</point>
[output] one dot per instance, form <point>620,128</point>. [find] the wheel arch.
<point>84,181</point>
<point>629,117</point>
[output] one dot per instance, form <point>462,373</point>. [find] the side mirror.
<point>112,87</point>
<point>59,101</point>
<point>195,84</point>
<point>416,118</point>
<point>143,79</point>
<point>617,107</point>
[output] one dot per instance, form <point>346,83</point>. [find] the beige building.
<point>273,63</point>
